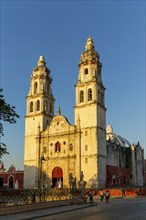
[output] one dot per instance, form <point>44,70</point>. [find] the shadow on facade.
<point>38,178</point>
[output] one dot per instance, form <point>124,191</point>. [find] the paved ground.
<point>43,212</point>
<point>121,209</point>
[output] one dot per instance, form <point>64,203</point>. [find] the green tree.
<point>7,114</point>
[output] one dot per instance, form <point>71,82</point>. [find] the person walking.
<point>123,193</point>
<point>107,196</point>
<point>101,195</point>
<point>90,197</point>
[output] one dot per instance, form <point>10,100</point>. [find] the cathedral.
<point>56,151</point>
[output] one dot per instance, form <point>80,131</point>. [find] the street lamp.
<point>42,159</point>
<point>41,179</point>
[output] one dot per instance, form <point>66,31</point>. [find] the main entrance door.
<point>57,177</point>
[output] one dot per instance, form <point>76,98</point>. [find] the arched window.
<point>99,96</point>
<point>86,71</point>
<point>35,88</point>
<point>48,89</point>
<point>11,182</point>
<point>70,147</point>
<point>57,147</point>
<point>46,106</point>
<point>81,96</point>
<point>1,182</point>
<point>86,147</point>
<point>31,106</point>
<point>89,94</point>
<point>50,107</point>
<point>102,98</point>
<point>86,160</point>
<point>38,105</point>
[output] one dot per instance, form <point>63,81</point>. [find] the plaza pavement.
<point>44,212</point>
<point>47,211</point>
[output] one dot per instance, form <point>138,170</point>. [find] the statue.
<point>70,180</point>
<point>82,185</point>
<point>81,176</point>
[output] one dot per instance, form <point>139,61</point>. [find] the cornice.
<point>38,114</point>
<point>62,157</point>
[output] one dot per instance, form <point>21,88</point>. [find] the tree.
<point>7,114</point>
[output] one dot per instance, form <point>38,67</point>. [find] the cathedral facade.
<point>56,151</point>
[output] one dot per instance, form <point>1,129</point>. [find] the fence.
<point>28,196</point>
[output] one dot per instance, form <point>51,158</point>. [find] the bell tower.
<point>39,113</point>
<point>90,107</point>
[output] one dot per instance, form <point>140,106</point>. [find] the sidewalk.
<point>44,212</point>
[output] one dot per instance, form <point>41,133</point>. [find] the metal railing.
<point>28,196</point>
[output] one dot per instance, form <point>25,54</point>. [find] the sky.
<point>59,30</point>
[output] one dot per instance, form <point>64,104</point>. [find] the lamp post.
<point>41,179</point>
<point>42,159</point>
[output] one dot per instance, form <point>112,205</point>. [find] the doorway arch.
<point>11,182</point>
<point>57,177</point>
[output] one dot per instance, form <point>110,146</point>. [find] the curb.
<point>55,213</point>
<point>10,210</point>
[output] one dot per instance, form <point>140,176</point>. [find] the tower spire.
<point>41,61</point>
<point>89,44</point>
<point>59,111</point>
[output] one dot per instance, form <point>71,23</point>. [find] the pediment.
<point>60,124</point>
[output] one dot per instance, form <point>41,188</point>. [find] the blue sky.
<point>59,30</point>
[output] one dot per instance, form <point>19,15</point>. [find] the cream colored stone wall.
<point>84,87</point>
<point>31,124</point>
<point>30,152</point>
<point>36,120</point>
<point>83,146</point>
<point>89,154</point>
<point>68,158</point>
<point>92,118</point>
<point>87,114</point>
<point>92,71</point>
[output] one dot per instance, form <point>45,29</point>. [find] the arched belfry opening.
<point>86,71</point>
<point>35,88</point>
<point>57,177</point>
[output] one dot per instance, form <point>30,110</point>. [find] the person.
<point>107,196</point>
<point>59,183</point>
<point>90,195</point>
<point>139,192</point>
<point>123,193</point>
<point>101,195</point>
